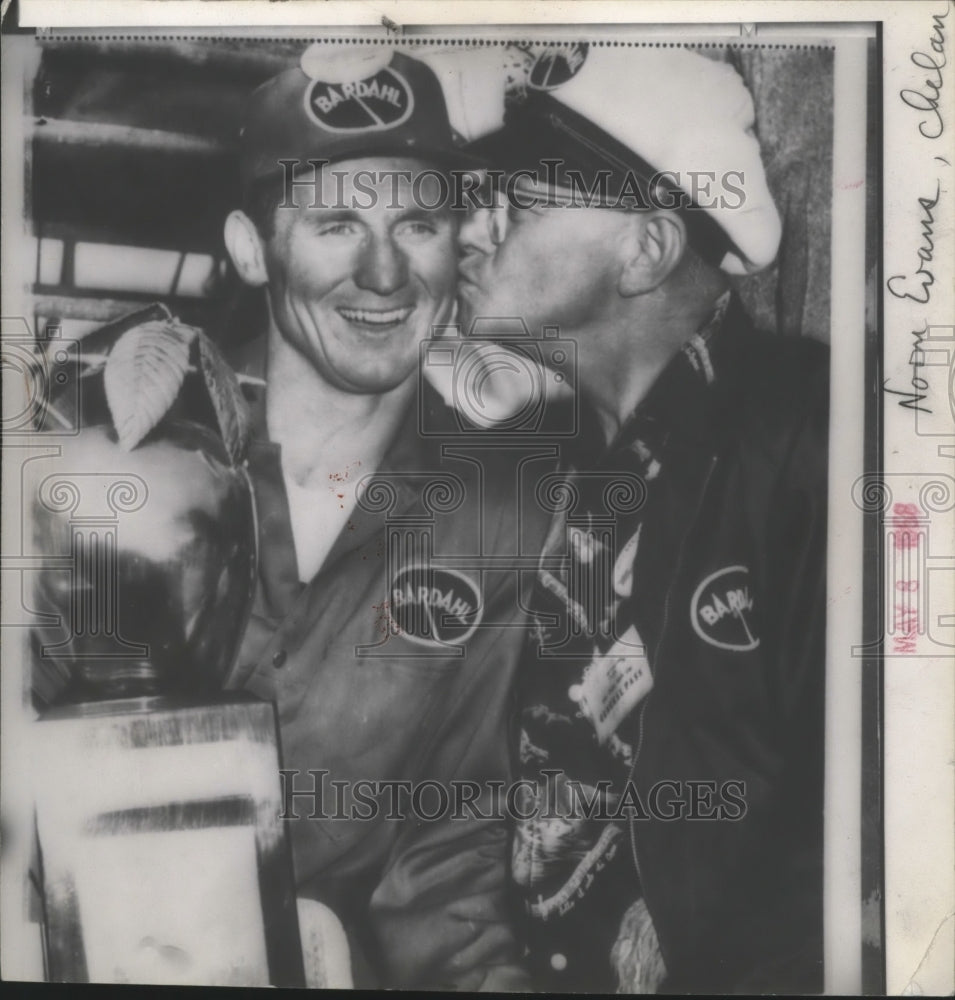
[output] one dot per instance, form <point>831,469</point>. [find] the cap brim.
<point>551,140</point>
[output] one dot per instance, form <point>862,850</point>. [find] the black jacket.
<point>728,598</point>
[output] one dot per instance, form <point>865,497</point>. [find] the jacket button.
<point>558,962</point>
<point>278,658</point>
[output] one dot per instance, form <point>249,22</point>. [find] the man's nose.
<point>482,230</point>
<point>475,232</point>
<point>382,267</point>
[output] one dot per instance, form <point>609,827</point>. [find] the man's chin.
<point>365,368</point>
<point>468,306</point>
<point>377,384</point>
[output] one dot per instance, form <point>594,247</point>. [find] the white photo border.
<point>918,686</point>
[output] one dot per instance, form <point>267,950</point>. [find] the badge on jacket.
<point>435,606</point>
<point>722,610</point>
<point>613,684</point>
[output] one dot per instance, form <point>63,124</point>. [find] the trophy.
<point>162,856</point>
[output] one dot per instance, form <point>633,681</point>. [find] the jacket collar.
<point>681,401</point>
<point>682,413</point>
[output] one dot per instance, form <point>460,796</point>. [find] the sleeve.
<point>440,911</point>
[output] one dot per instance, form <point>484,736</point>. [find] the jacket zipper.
<point>656,656</point>
<point>633,764</point>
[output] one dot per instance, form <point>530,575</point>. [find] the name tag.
<point>613,685</point>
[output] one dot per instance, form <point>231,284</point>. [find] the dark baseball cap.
<point>346,102</point>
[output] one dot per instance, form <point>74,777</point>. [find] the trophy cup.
<point>157,794</point>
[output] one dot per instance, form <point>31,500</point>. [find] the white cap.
<point>682,112</point>
<point>473,86</point>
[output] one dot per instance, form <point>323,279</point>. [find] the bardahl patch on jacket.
<point>722,610</point>
<point>435,606</point>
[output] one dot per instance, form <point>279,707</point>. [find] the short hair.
<point>705,236</point>
<point>261,202</point>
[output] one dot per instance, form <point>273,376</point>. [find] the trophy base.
<point>164,858</point>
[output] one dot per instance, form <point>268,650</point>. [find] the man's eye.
<point>336,229</point>
<point>417,229</point>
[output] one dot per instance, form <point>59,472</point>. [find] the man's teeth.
<point>377,317</point>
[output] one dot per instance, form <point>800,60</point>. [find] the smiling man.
<point>672,702</point>
<point>353,288</point>
<point>387,653</point>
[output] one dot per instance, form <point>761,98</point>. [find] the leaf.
<point>144,373</point>
<point>231,409</point>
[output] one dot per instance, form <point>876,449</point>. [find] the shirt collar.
<point>408,452</point>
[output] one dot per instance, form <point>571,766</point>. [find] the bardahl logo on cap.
<point>381,101</point>
<point>721,610</point>
<point>556,64</point>
<point>435,606</point>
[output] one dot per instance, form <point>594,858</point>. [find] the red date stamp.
<point>907,553</point>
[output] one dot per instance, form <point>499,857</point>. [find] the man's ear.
<point>655,244</point>
<point>245,247</point>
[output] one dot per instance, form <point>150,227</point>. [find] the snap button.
<point>558,962</point>
<point>278,658</point>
